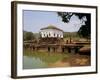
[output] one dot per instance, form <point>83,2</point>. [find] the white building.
<point>51,32</point>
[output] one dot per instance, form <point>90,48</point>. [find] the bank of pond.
<point>39,59</point>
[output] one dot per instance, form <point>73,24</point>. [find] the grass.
<point>48,57</point>
<point>55,59</point>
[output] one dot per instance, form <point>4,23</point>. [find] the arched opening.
<point>57,35</point>
<point>49,34</point>
<point>54,34</point>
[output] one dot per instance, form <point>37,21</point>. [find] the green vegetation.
<point>71,34</point>
<point>38,59</point>
<point>30,36</point>
<point>47,57</point>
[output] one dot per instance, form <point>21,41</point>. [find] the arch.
<point>54,34</point>
<point>49,34</point>
<point>57,35</point>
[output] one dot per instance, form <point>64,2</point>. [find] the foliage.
<point>28,35</point>
<point>46,56</point>
<point>85,30</point>
<point>71,34</point>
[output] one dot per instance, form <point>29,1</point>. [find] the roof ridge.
<point>51,27</point>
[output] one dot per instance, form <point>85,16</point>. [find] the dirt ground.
<point>72,61</point>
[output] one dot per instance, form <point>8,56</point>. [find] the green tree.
<point>28,35</point>
<point>85,30</point>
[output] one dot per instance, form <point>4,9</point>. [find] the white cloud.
<point>75,23</point>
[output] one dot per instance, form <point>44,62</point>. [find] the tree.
<point>85,30</point>
<point>28,35</point>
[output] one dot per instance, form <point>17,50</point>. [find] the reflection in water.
<point>31,62</point>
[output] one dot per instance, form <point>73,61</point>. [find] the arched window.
<point>44,35</point>
<point>54,34</point>
<point>57,35</point>
<point>49,34</point>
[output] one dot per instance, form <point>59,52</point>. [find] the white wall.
<point>5,40</point>
<point>51,33</point>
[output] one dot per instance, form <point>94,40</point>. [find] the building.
<point>51,32</point>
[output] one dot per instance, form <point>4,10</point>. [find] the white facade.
<point>54,33</point>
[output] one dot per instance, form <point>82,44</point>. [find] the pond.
<point>32,62</point>
<point>36,59</point>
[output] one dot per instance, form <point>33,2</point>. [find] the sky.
<point>33,21</point>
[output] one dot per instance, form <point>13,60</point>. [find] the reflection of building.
<point>51,32</point>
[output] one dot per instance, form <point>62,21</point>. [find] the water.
<point>36,60</point>
<point>32,62</point>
